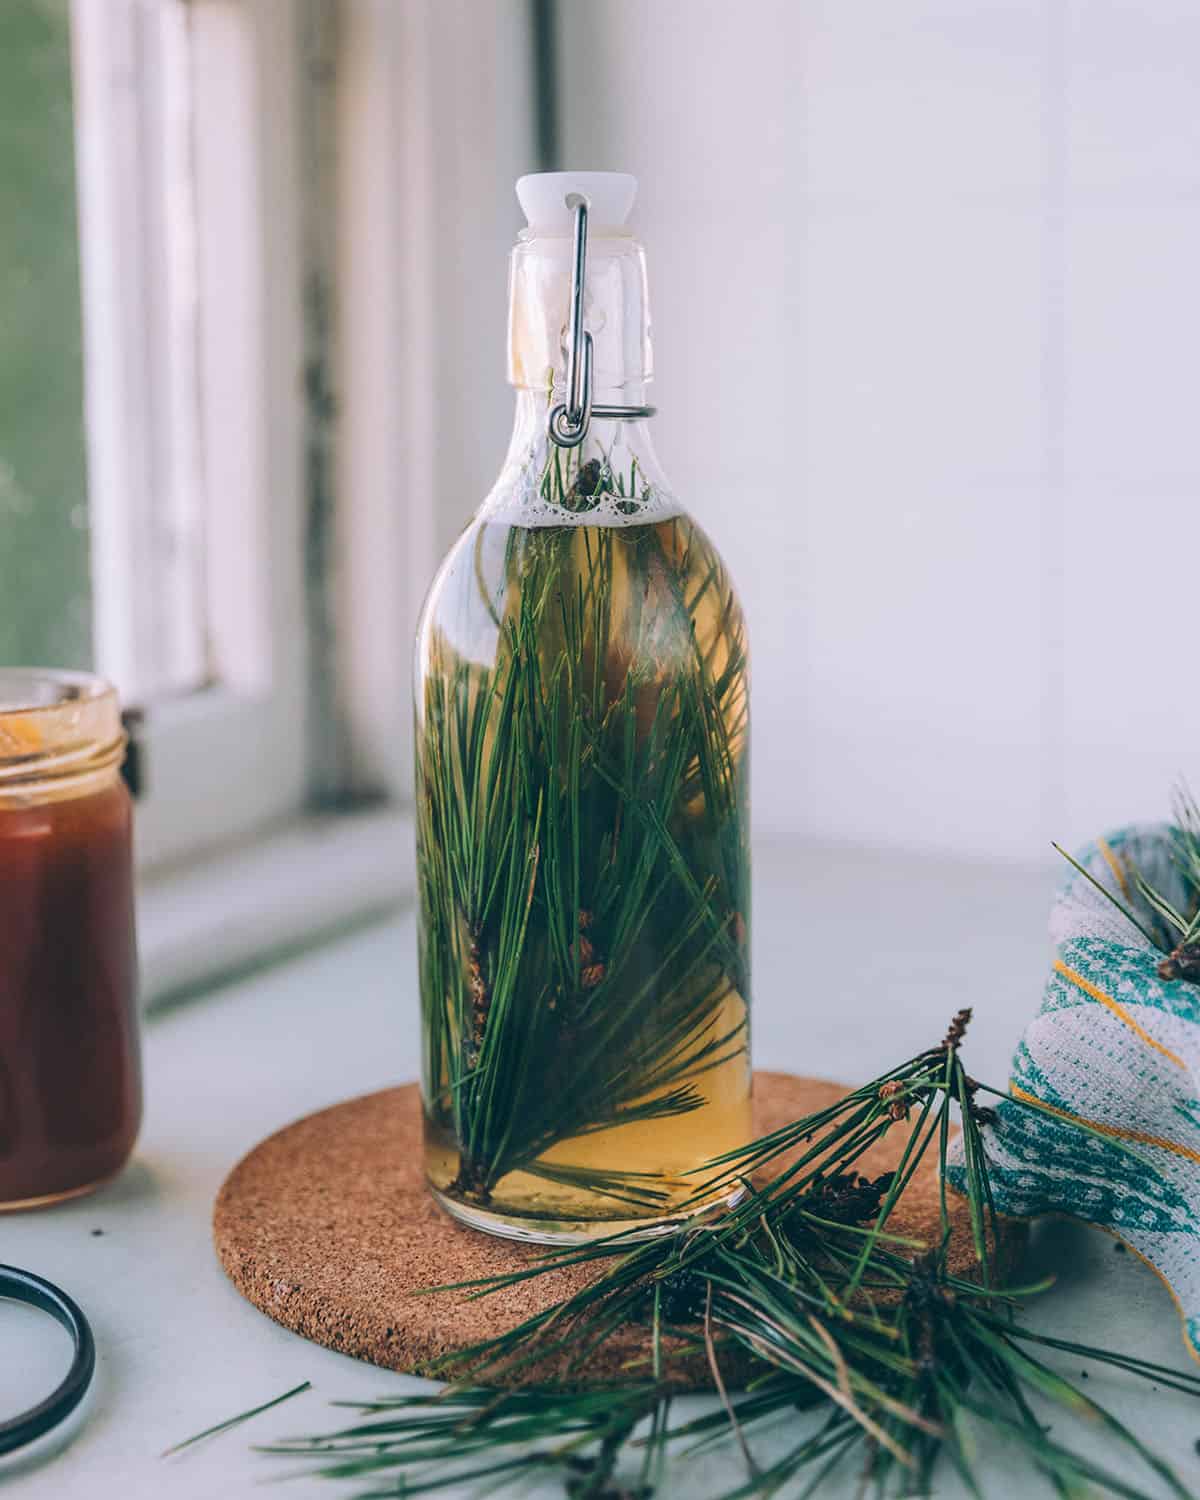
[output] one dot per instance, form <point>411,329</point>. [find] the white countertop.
<point>860,960</point>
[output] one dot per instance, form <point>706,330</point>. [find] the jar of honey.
<point>70,1074</point>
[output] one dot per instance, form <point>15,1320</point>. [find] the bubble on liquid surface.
<point>518,500</point>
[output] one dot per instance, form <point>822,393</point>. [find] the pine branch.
<point>828,1308</point>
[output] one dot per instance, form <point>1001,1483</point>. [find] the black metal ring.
<point>24,1286</point>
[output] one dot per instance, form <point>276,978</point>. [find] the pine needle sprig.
<point>583,846</point>
<point>801,1297</point>
<point>236,1421</point>
<point>1171,927</point>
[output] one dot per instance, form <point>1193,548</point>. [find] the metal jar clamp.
<point>568,421</point>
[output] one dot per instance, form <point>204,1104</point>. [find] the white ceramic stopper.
<point>543,198</point>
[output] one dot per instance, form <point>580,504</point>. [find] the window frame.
<point>277,794</point>
<point>386,210</point>
<point>229,757</point>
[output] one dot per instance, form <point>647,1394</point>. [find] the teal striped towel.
<point>1115,1045</point>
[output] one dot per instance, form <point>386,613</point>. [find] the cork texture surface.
<point>327,1228</point>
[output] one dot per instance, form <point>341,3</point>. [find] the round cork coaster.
<point>328,1228</point>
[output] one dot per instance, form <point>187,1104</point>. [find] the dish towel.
<point>1115,1045</point>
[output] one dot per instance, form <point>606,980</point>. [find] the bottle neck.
<point>615,314</point>
<point>613,476</point>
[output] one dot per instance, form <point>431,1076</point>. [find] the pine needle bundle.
<point>583,857</point>
<point>807,1292</point>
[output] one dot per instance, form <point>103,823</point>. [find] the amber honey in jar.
<point>70,1076</point>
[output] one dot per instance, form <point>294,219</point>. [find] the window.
<point>45,609</point>
<point>253,360</point>
<point>192,335</point>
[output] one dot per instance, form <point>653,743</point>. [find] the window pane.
<point>45,611</point>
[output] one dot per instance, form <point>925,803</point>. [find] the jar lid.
<point>56,723</point>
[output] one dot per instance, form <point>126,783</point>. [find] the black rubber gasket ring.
<point>24,1286</point>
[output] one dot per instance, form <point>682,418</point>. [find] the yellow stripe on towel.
<point>1118,1010</point>
<point>1114,864</point>
<point>1140,1136</point>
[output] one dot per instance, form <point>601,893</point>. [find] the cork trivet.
<point>328,1228</point>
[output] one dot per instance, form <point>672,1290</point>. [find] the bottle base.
<point>549,1231</point>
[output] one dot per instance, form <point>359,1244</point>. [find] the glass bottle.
<point>582,791</point>
<point>70,1074</point>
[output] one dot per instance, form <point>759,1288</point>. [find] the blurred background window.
<point>136,169</point>
<point>149,528</point>
<point>154,467</point>
<point>45,600</point>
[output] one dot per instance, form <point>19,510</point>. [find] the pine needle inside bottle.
<point>583,857</point>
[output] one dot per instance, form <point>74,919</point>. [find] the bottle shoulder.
<point>660,584</point>
<point>566,490</point>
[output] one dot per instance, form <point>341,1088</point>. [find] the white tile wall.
<point>928,336</point>
<point>481,57</point>
<point>1131,457</point>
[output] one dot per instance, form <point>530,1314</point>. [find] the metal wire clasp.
<point>568,421</point>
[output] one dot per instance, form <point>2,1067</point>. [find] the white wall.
<point>435,121</point>
<point>928,338</point>
<point>481,64</point>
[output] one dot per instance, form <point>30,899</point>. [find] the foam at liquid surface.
<point>517,500</point>
<point>610,510</point>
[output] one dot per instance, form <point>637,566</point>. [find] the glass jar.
<point>582,796</point>
<point>70,1076</point>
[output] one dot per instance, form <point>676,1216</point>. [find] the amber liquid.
<point>637,611</point>
<point>70,1080</point>
<point>673,1152</point>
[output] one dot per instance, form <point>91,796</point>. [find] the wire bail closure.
<point>568,422</point>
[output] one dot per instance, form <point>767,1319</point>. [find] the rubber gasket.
<point>24,1286</point>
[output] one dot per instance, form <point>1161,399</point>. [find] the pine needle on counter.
<point>237,1421</point>
<point>804,1288</point>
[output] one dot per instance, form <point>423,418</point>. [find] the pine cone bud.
<point>893,1090</point>
<point>1184,963</point>
<point>587,481</point>
<point>957,1029</point>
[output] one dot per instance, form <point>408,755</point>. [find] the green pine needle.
<point>583,844</point>
<point>1176,928</point>
<point>237,1421</point>
<point>804,1293</point>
